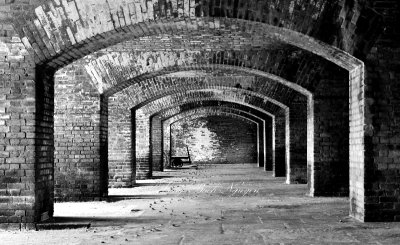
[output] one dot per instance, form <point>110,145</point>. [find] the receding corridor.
<point>214,204</point>
<point>99,97</point>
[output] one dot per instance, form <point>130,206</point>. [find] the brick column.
<point>27,142</point>
<point>156,144</point>
<point>79,166</point>
<point>269,143</point>
<point>44,145</point>
<point>26,136</point>
<point>331,136</point>
<point>382,134</point>
<point>281,146</point>
<point>166,141</point>
<point>298,141</point>
<point>17,144</point>
<point>120,165</point>
<point>261,144</point>
<point>141,131</point>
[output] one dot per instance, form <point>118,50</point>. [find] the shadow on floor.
<point>117,198</point>
<point>65,222</point>
<point>162,177</point>
<point>153,184</point>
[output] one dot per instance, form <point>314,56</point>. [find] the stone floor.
<point>215,204</point>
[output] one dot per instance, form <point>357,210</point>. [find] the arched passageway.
<point>214,138</point>
<point>160,125</point>
<point>43,37</point>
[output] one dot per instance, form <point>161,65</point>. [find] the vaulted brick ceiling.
<point>232,95</point>
<point>62,31</point>
<point>132,64</point>
<point>120,66</point>
<point>210,105</point>
<point>125,42</point>
<point>150,90</point>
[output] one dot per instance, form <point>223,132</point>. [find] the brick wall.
<point>215,139</point>
<point>192,115</point>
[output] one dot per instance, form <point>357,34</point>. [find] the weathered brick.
<point>40,42</point>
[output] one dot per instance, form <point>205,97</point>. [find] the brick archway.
<point>204,115</point>
<point>169,86</point>
<point>58,33</point>
<point>145,111</point>
<point>265,136</point>
<point>169,62</point>
<point>67,26</point>
<point>279,129</point>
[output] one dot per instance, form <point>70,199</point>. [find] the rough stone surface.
<point>216,204</point>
